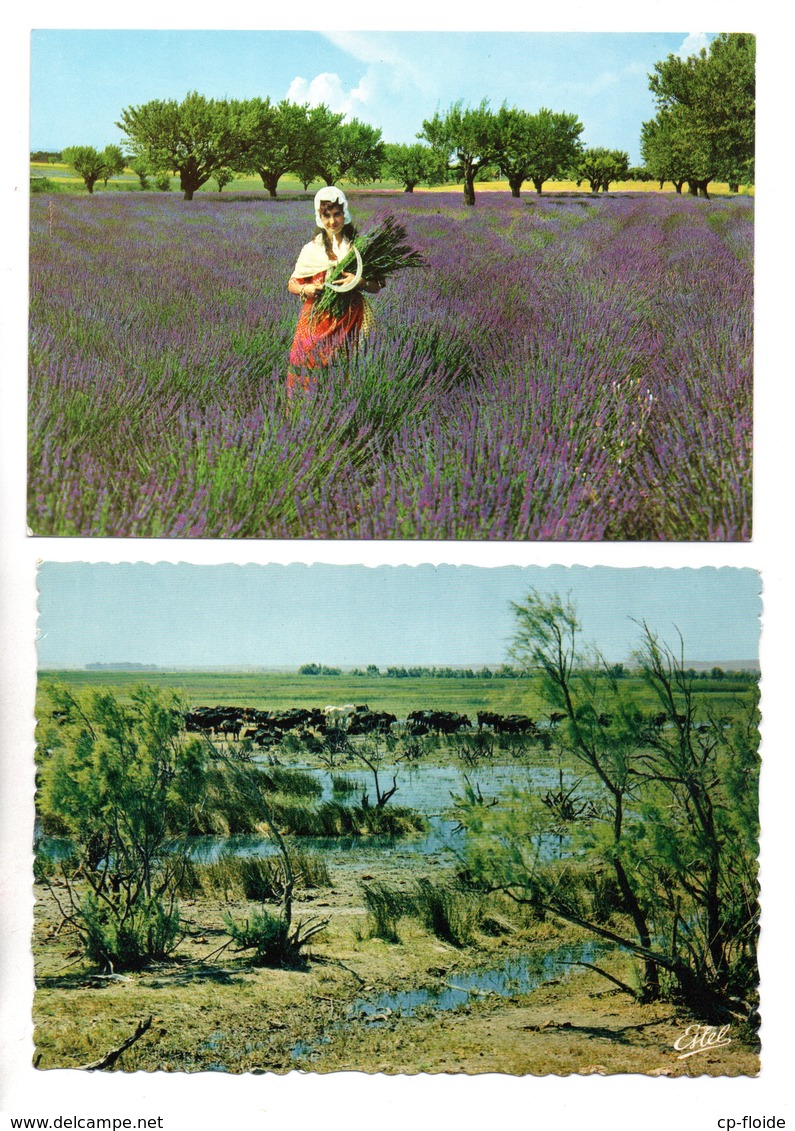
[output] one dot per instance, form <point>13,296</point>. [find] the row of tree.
<point>200,139</point>
<point>507,671</point>
<point>704,129</point>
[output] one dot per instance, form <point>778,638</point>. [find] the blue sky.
<point>82,79</point>
<point>285,615</point>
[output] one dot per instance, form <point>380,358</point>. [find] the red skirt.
<point>317,339</point>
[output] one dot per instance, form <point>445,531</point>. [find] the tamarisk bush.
<point>673,821</point>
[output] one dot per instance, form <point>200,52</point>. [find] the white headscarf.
<point>335,196</point>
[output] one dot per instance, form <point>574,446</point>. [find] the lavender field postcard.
<point>405,285</point>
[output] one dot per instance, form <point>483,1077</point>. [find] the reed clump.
<point>444,909</point>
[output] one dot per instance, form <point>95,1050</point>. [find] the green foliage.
<point>122,934</point>
<point>128,789</point>
<point>44,184</point>
<point>264,933</point>
<point>412,165</point>
<point>140,166</point>
<point>354,151</point>
<point>256,878</point>
<point>223,176</point>
<point>194,137</point>
<point>443,908</point>
<point>537,147</point>
<point>341,783</point>
<point>465,140</point>
<point>113,162</point>
<point>92,165</point>
<point>666,815</point>
<point>297,783</point>
<point>385,905</point>
<point>705,125</point>
<point>275,139</point>
<point>600,166</point>
<point>449,913</point>
<point>87,162</point>
<point>334,819</point>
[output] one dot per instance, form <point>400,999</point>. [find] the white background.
<point>340,1101</point>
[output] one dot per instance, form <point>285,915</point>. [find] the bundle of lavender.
<point>383,250</point>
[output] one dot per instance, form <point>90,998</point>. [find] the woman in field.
<point>319,336</point>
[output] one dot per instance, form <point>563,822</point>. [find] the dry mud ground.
<point>212,1010</point>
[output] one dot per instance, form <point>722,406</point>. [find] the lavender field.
<point>564,367</point>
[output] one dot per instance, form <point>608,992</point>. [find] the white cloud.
<point>397,68</point>
<point>693,44</point>
<point>328,88</point>
<point>367,47</point>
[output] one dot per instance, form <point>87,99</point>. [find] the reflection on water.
<point>428,789</point>
<point>516,975</point>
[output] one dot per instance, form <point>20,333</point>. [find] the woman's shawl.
<point>313,258</point>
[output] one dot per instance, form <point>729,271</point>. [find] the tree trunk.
<point>538,184</point>
<point>651,977</point>
<point>516,186</point>
<point>190,179</point>
<point>270,181</point>
<point>734,186</point>
<point>469,187</point>
<point>409,188</point>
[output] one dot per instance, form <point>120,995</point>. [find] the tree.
<point>122,782</point>
<point>87,162</point>
<point>665,150</point>
<point>223,177</point>
<point>275,939</point>
<point>191,138</point>
<point>140,166</point>
<point>600,166</point>
<point>707,103</point>
<point>668,812</point>
<point>113,161</point>
<point>465,140</point>
<point>354,151</point>
<point>316,142</point>
<point>536,147</point>
<point>280,138</point>
<point>412,165</point>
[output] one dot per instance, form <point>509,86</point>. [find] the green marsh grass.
<point>445,910</point>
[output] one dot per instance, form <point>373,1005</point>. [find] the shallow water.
<point>516,975</point>
<point>428,789</point>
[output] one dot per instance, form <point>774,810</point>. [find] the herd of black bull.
<point>266,728</point>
